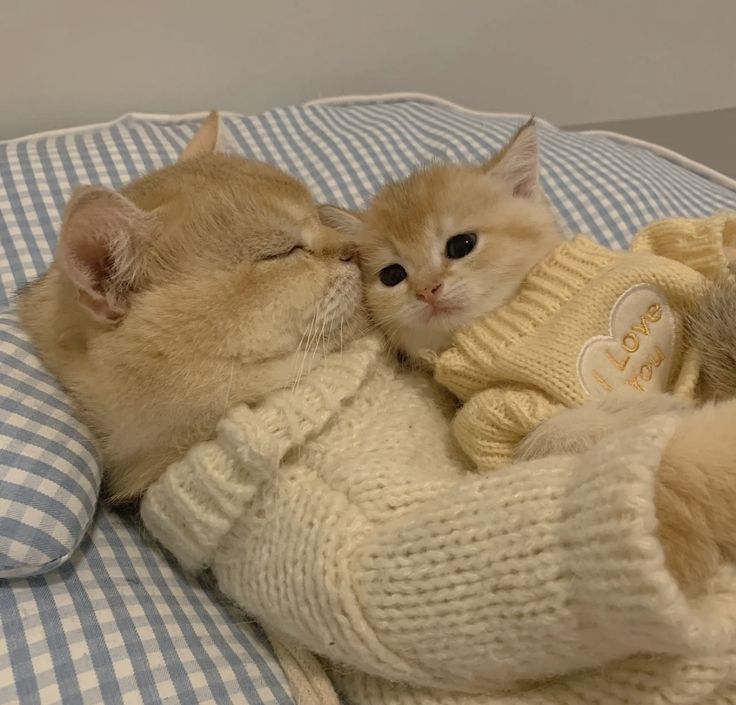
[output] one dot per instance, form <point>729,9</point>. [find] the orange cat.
<point>200,286</point>
<point>450,244</point>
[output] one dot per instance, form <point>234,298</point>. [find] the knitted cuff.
<point>195,502</point>
<point>638,680</point>
<point>492,423</point>
<point>620,586</point>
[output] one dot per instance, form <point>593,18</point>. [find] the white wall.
<point>65,62</point>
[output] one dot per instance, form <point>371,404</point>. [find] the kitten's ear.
<point>518,162</point>
<point>347,222</point>
<point>207,140</point>
<point>101,246</point>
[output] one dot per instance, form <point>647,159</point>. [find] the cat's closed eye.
<point>461,245</point>
<point>392,275</point>
<point>284,253</point>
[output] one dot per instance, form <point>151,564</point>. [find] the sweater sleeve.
<point>195,503</point>
<point>492,423</point>
<point>536,570</point>
<point>698,243</point>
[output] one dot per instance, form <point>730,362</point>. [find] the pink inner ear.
<point>527,185</point>
<point>96,248</point>
<point>89,264</point>
<point>518,163</point>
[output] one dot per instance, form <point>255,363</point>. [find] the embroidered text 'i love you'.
<point>638,351</point>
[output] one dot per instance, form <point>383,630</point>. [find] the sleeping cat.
<point>199,286</point>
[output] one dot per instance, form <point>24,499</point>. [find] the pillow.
<point>49,474</point>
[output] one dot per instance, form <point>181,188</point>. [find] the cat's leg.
<point>580,428</point>
<point>696,495</point>
<point>710,324</point>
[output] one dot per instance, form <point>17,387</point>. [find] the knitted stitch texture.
<point>342,516</point>
<point>585,321</point>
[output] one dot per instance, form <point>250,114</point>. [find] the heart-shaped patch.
<point>638,352</point>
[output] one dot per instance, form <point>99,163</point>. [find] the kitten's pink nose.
<point>429,294</point>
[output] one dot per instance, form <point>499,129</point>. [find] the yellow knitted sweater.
<point>587,320</point>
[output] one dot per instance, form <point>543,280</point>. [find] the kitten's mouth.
<point>441,310</point>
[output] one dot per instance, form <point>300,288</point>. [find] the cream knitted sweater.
<point>342,517</point>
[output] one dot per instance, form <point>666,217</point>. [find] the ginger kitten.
<point>450,244</point>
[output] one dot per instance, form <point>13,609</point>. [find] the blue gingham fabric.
<point>116,623</point>
<point>49,476</point>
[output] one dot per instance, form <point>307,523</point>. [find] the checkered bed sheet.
<point>115,623</point>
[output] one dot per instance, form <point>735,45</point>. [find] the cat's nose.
<point>429,294</point>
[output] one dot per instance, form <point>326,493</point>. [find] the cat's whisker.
<point>309,331</point>
<point>312,342</point>
<point>320,340</point>
<point>229,387</point>
<point>305,368</point>
<point>298,367</point>
<point>304,334</point>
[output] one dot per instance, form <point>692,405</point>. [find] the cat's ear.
<point>101,249</point>
<point>209,139</point>
<point>517,163</point>
<point>347,222</point>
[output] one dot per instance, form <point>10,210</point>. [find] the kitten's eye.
<point>460,245</point>
<point>392,275</point>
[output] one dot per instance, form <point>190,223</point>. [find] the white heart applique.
<point>638,352</point>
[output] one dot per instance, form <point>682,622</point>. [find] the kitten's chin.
<point>436,333</point>
<point>422,339</point>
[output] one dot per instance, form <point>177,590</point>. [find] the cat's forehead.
<point>214,176</point>
<point>429,204</point>
<point>225,208</point>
